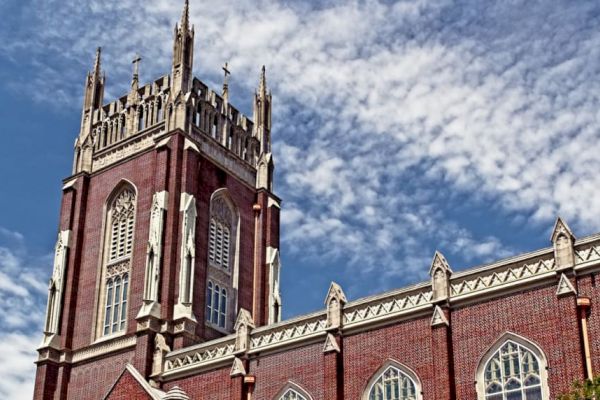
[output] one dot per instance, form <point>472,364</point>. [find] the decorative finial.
<point>262,88</point>
<point>226,74</point>
<point>98,61</point>
<point>185,16</point>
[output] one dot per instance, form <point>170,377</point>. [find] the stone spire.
<point>183,53</point>
<point>94,88</point>
<point>185,16</point>
<point>262,114</point>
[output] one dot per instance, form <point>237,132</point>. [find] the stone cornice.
<point>530,270</point>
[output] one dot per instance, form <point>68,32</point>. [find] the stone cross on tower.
<point>136,66</point>
<point>226,73</point>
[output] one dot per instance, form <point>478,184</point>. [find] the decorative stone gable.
<point>335,301</point>
<point>330,344</point>
<point>243,327</point>
<point>439,317</point>
<point>565,287</point>
<point>563,241</point>
<point>237,369</point>
<point>440,273</point>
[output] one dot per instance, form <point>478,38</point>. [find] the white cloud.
<point>383,112</point>
<point>22,300</point>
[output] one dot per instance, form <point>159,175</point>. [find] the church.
<point>165,283</point>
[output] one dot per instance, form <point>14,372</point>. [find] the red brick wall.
<point>408,343</point>
<point>92,380</point>
<point>538,315</point>
<point>589,286</point>
<point>303,366</point>
<point>213,385</point>
<point>127,388</point>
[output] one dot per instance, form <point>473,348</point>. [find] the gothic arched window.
<point>291,394</point>
<point>393,382</point>
<point>512,369</point>
<point>119,247</point>
<point>291,391</point>
<point>222,274</point>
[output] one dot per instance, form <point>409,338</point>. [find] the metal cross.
<point>226,70</point>
<point>136,64</point>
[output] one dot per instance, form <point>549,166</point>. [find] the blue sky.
<point>399,128</point>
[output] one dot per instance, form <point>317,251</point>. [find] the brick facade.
<point>177,138</point>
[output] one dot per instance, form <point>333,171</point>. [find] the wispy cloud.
<point>22,298</point>
<point>389,116</point>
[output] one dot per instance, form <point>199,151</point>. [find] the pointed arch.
<point>402,381</point>
<point>513,364</point>
<point>119,229</point>
<point>222,260</point>
<point>292,391</point>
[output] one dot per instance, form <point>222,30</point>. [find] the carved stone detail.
<point>237,369</point>
<point>563,241</point>
<point>439,317</point>
<point>335,301</point>
<point>243,326</point>
<point>151,305</point>
<point>565,287</point>
<point>160,350</point>
<point>183,308</point>
<point>440,273</point>
<point>56,289</point>
<point>330,344</point>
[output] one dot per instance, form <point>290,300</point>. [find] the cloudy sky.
<point>400,128</point>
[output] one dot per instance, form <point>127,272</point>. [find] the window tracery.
<point>393,384</point>
<point>513,373</point>
<point>120,232</point>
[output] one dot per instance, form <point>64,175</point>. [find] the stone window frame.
<point>215,287</point>
<point>225,278</point>
<point>403,369</point>
<point>292,387</point>
<point>122,265</point>
<point>523,342</point>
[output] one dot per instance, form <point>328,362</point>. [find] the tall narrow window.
<point>120,236</point>
<point>214,129</point>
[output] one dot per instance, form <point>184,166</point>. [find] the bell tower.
<point>169,228</point>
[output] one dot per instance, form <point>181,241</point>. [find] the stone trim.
<point>102,348</point>
<point>367,313</point>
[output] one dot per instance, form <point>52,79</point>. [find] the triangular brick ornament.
<point>565,286</point>
<point>330,344</point>
<point>237,369</point>
<point>439,318</point>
